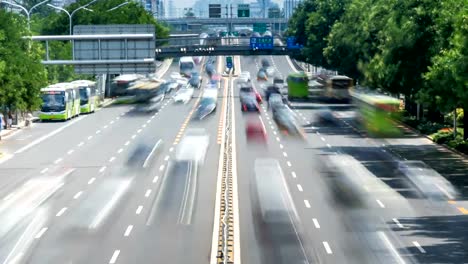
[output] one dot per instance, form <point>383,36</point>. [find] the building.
<point>289,6</point>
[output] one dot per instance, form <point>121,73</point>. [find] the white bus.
<point>186,66</point>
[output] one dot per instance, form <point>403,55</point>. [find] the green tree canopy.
<point>21,72</point>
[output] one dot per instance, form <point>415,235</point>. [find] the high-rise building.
<point>289,6</point>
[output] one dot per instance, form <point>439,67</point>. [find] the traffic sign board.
<point>260,27</point>
<point>214,11</point>
<point>261,43</point>
<point>229,62</point>
<point>243,10</point>
<point>291,43</point>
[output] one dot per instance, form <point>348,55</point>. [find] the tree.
<point>21,72</point>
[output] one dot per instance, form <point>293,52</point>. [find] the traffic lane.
<point>173,237</point>
<point>148,136</point>
<point>252,227</point>
<point>283,65</point>
<point>383,164</point>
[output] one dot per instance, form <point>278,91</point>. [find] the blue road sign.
<point>229,62</point>
<point>292,44</point>
<point>261,43</point>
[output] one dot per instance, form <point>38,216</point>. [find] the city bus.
<point>338,88</point>
<point>376,113</point>
<point>89,99</point>
<point>60,101</point>
<point>298,86</point>
<point>186,66</point>
<point>121,83</point>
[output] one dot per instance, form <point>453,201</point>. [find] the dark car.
<point>262,75</point>
<point>206,106</point>
<point>249,104</point>
<point>265,63</point>
<point>286,122</point>
<point>272,89</point>
<point>210,69</point>
<point>196,80</point>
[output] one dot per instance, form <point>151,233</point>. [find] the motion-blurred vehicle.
<point>298,86</point>
<point>207,104</point>
<point>262,75</point>
<point>428,181</point>
<point>326,116</point>
<point>271,89</point>
<point>267,34</point>
<point>265,63</point>
<point>270,71</point>
<point>287,123</point>
<point>210,69</point>
<point>255,35</point>
<point>244,76</point>
<point>249,104</point>
<point>277,224</point>
<point>148,95</point>
<point>170,86</point>
<point>183,95</point>
<point>276,101</point>
<point>246,89</point>
<point>255,131</point>
<point>193,146</point>
<point>186,66</point>
<point>196,80</point>
<point>175,76</point>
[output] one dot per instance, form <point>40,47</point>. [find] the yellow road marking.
<point>462,210</point>
<point>452,202</point>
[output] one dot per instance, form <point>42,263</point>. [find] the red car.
<point>255,131</point>
<point>258,96</point>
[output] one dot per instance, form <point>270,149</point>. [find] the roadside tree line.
<point>418,48</point>
<point>21,73</point>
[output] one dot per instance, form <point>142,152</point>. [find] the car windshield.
<point>56,99</point>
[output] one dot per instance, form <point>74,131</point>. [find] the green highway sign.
<point>243,10</point>
<point>260,27</point>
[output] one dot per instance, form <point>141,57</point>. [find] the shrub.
<point>429,127</point>
<point>443,137</point>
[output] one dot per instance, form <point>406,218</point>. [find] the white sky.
<point>189,3</point>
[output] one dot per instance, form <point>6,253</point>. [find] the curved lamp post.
<point>28,13</point>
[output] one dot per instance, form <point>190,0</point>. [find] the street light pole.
<point>28,13</point>
<point>76,10</point>
<point>64,10</point>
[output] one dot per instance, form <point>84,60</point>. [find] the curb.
<point>103,105</point>
<point>426,136</point>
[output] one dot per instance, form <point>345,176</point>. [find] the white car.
<point>270,71</point>
<point>244,76</point>
<point>175,76</point>
<point>193,146</point>
<point>183,95</point>
<point>182,82</point>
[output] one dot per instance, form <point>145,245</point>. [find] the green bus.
<point>298,86</point>
<point>89,99</point>
<point>376,114</point>
<point>338,88</point>
<point>60,101</point>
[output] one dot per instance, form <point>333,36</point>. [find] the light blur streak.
<point>193,146</point>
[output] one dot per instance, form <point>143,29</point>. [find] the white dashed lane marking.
<point>103,168</point>
<point>307,204</point>
<point>161,168</point>
<point>90,137</point>
<point>327,247</point>
<point>148,192</point>
<point>81,144</point>
<point>398,223</point>
<point>316,223</point>
<point>289,163</point>
<point>293,174</point>
<point>126,143</point>
<point>120,150</point>
<point>77,195</point>
<point>155,179</point>
<point>285,154</point>
<point>43,230</point>
<point>417,245</point>
<point>44,170</point>
<point>111,159</point>
<point>61,212</point>
<point>70,151</point>
<point>58,160</point>
<point>139,209</point>
<point>91,180</point>
<point>299,187</point>
<point>128,230</point>
<point>114,257</point>
<point>380,203</point>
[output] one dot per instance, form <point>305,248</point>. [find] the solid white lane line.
<point>103,168</point>
<point>91,180</point>
<point>328,145</point>
<point>111,159</point>
<point>70,151</point>
<point>43,230</point>
<point>81,144</point>
<point>293,174</point>
<point>327,247</point>
<point>138,210</point>
<point>77,195</point>
<point>421,249</point>
<point>380,203</point>
<point>120,150</point>
<point>299,187</point>
<point>155,179</point>
<point>99,131</point>
<point>61,211</point>
<point>90,137</point>
<point>39,140</point>
<point>289,163</point>
<point>307,204</point>
<point>281,146</point>
<point>126,143</point>
<point>161,168</point>
<point>323,139</point>
<point>58,160</point>
<point>316,223</point>
<point>128,230</point>
<point>44,170</point>
<point>285,154</point>
<point>398,223</point>
<point>114,257</point>
<point>148,192</point>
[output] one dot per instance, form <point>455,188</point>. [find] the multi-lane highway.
<point>69,196</point>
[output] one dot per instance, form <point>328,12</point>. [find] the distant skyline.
<point>189,3</point>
